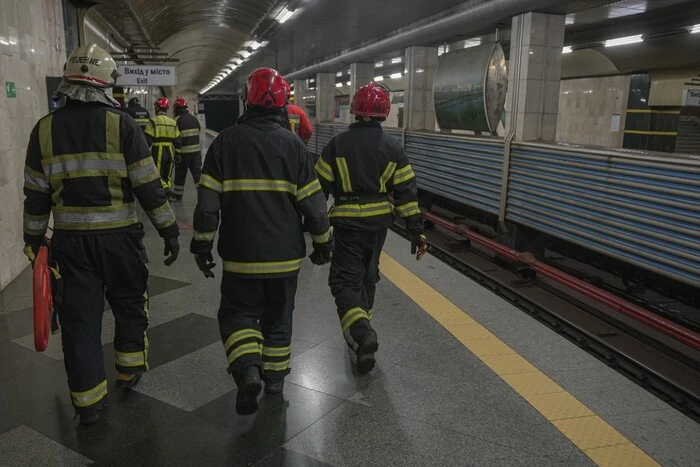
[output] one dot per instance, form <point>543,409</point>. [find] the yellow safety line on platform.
<point>595,437</point>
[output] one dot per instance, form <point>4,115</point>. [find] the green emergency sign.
<point>10,89</point>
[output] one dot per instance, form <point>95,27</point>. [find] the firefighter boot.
<point>125,381</point>
<point>90,418</point>
<point>249,387</point>
<point>362,339</point>
<point>274,387</point>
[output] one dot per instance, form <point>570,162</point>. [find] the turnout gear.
<point>138,113</point>
<point>258,180</point>
<point>189,150</point>
<point>371,100</point>
<point>205,263</point>
<point>87,164</point>
<point>91,65</point>
<point>172,248</point>
<point>164,138</point>
<point>127,381</point>
<point>323,252</point>
<point>248,390</point>
<point>361,168</point>
<point>265,87</point>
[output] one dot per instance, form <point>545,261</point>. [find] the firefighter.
<point>361,168</point>
<point>138,112</point>
<point>259,180</point>
<point>87,163</point>
<point>164,138</point>
<point>298,121</point>
<point>190,152</point>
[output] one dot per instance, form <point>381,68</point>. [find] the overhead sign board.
<point>146,75</point>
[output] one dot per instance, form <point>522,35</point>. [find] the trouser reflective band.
<point>351,316</point>
<point>130,359</point>
<point>178,189</point>
<point>276,358</point>
<point>370,313</point>
<point>91,396</point>
<point>243,342</point>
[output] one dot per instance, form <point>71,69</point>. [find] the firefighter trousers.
<point>353,277</point>
<point>191,162</point>
<point>163,156</point>
<point>255,320</point>
<point>94,266</point>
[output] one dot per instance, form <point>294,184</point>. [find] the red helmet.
<point>180,102</point>
<point>371,100</point>
<point>265,87</point>
<point>287,88</point>
<point>162,103</point>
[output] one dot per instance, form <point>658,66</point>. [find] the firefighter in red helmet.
<point>361,168</point>
<point>298,121</point>
<point>189,151</point>
<point>164,138</point>
<point>257,182</point>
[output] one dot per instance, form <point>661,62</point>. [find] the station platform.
<point>463,378</point>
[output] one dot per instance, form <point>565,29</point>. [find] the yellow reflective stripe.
<point>386,176</point>
<point>142,172</point>
<point>276,351</point>
<point>35,180</point>
<point>269,267</point>
<point>344,172</point>
<point>130,359</point>
<point>207,181</point>
<point>190,148</point>
<point>122,207</point>
<point>403,175</point>
<point>141,120</point>
<point>90,173</point>
<point>276,366</point>
<point>36,225</point>
<point>112,132</point>
<point>90,397</point>
<point>323,238</point>
<point>325,170</point>
<point>240,335</point>
<point>352,316</point>
<point>244,349</point>
<point>259,184</point>
<point>204,236</point>
<point>408,209</point>
<point>45,137</point>
<point>361,210</point>
<point>370,313</point>
<point>191,132</point>
<point>308,189</point>
<point>162,216</point>
<point>121,216</point>
<point>84,156</point>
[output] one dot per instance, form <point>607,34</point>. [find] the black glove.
<point>172,248</point>
<point>177,159</point>
<point>419,245</point>
<point>323,252</point>
<point>205,263</point>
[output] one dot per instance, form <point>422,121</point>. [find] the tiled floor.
<point>428,402</point>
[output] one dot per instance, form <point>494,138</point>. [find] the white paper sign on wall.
<point>146,75</point>
<point>692,97</point>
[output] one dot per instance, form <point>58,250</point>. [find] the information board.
<point>146,75</point>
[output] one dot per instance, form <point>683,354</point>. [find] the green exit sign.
<point>10,89</point>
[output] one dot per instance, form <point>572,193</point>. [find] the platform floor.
<point>463,378</point>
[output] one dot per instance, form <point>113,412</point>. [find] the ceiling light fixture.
<point>286,15</point>
<point>378,64</point>
<point>255,45</point>
<point>567,50</point>
<point>396,75</point>
<point>349,83</point>
<point>339,74</point>
<point>338,85</point>
<point>624,40</point>
<point>378,78</point>
<point>472,43</point>
<point>244,53</point>
<point>396,60</point>
<point>695,29</point>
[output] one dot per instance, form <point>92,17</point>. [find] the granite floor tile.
<point>174,339</point>
<point>282,457</point>
<point>354,435</point>
<point>24,446</point>
<point>17,360</point>
<point>7,423</point>
<point>16,324</point>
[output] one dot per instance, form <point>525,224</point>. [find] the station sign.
<point>146,75</point>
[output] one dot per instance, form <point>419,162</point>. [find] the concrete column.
<point>325,97</point>
<point>299,91</point>
<point>360,74</point>
<point>419,108</point>
<point>534,76</point>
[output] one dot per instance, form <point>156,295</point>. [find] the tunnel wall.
<point>32,47</point>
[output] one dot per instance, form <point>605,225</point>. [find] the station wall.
<point>32,47</point>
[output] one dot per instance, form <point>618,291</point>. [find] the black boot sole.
<point>129,384</point>
<point>365,354</point>
<point>92,418</point>
<point>247,398</point>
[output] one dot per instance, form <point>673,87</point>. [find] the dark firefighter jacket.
<point>139,114</point>
<point>189,133</point>
<point>88,162</point>
<point>259,179</point>
<point>361,168</point>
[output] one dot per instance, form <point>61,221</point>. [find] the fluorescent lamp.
<point>349,83</point>
<point>338,85</point>
<point>339,74</point>
<point>624,40</point>
<point>255,45</point>
<point>244,53</point>
<point>396,60</point>
<point>566,50</point>
<point>695,29</point>
<point>378,78</point>
<point>419,70</point>
<point>378,64</point>
<point>396,75</point>
<point>286,15</point>
<point>472,43</point>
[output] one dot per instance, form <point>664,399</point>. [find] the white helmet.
<point>91,65</point>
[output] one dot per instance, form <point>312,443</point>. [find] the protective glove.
<point>323,252</point>
<point>177,159</point>
<point>30,251</point>
<point>205,263</point>
<point>419,245</point>
<point>172,248</point>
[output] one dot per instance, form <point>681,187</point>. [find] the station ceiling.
<point>205,35</point>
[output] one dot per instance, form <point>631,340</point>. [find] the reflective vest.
<point>166,137</point>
